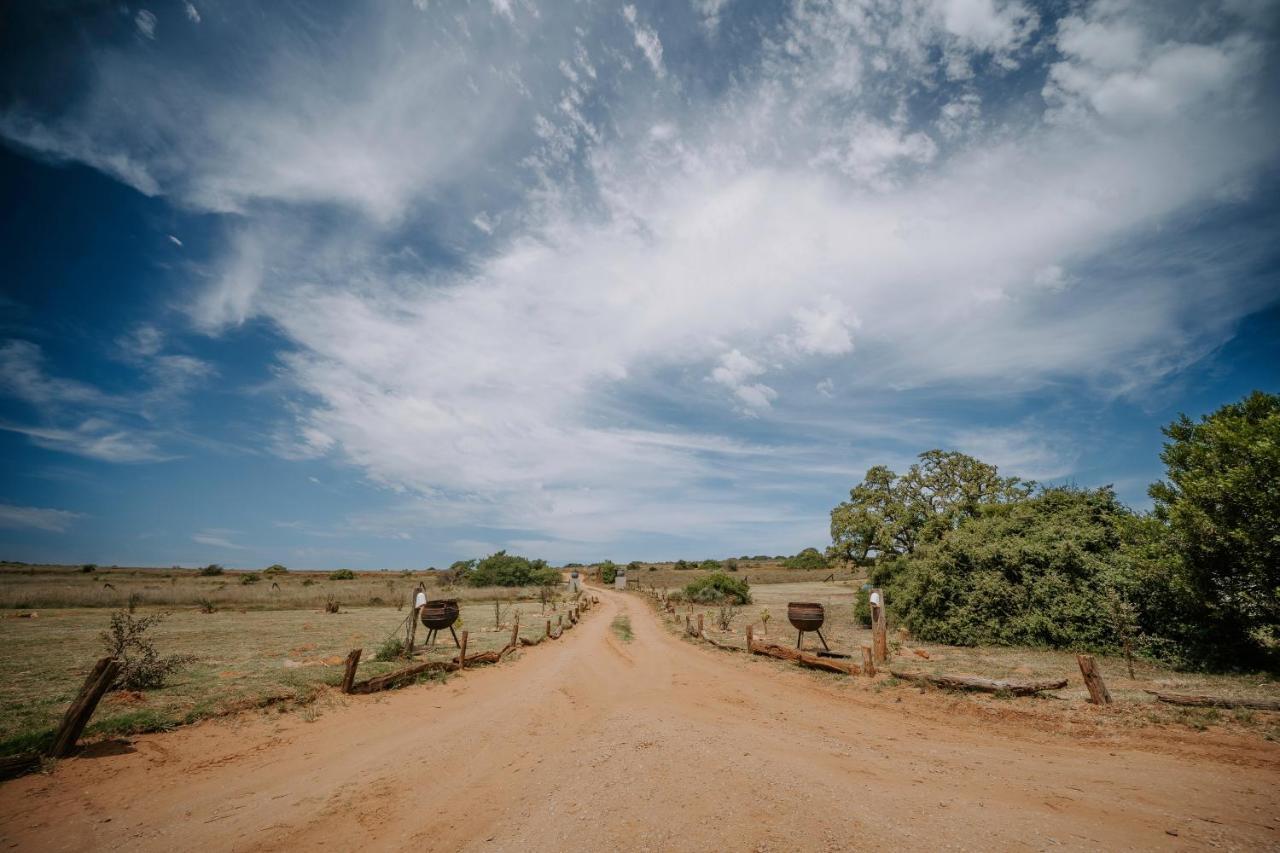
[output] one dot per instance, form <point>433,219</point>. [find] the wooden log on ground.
<point>720,645</point>
<point>1098,692</point>
<point>391,679</point>
<point>986,685</point>
<point>349,674</point>
<point>868,662</point>
<point>1203,701</point>
<point>13,766</point>
<point>100,678</point>
<point>804,658</point>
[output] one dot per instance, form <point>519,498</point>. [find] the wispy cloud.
<point>36,518</point>
<point>217,538</point>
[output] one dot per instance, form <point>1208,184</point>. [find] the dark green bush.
<point>249,578</point>
<point>718,586</point>
<point>608,572</point>
<point>503,569</point>
<point>809,558</point>
<point>342,575</point>
<point>210,570</point>
<point>274,569</point>
<point>710,565</point>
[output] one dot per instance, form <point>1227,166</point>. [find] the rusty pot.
<point>805,615</point>
<point>440,614</point>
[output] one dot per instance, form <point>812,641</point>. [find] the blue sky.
<point>397,284</point>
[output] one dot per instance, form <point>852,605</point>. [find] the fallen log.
<point>720,645</point>
<point>391,679</point>
<point>1201,701</point>
<point>804,658</point>
<point>525,641</point>
<point>13,766</point>
<point>986,685</point>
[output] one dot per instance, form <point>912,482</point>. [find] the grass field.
<point>246,657</point>
<point>843,634</point>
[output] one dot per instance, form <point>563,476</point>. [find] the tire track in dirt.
<point>591,744</point>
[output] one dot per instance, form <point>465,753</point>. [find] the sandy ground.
<point>591,743</point>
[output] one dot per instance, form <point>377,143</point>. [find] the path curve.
<point>590,743</point>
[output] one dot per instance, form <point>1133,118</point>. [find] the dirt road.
<point>591,743</point>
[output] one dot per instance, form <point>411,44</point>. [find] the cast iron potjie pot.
<point>440,614</point>
<point>805,615</point>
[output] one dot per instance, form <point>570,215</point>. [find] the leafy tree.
<point>211,570</point>
<point>718,586</point>
<point>888,514</point>
<point>503,569</point>
<point>608,572</point>
<point>809,558</point>
<point>1036,573</point>
<point>1221,502</point>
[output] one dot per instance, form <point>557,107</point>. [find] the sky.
<point>389,285</point>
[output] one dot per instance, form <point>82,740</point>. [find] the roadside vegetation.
<point>968,557</point>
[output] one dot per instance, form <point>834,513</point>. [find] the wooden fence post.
<point>349,675</point>
<point>1098,693</point>
<point>879,628</point>
<point>548,629</point>
<point>699,624</point>
<point>515,630</point>
<point>462,652</point>
<point>86,702</point>
<point>868,661</point>
<point>750,636</point>
<point>413,630</point>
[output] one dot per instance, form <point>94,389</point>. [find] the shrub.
<point>716,586</point>
<point>503,569</point>
<point>250,578</point>
<point>274,569</point>
<point>681,565</point>
<point>731,564</point>
<point>809,558</point>
<point>710,565</point>
<point>308,582</point>
<point>608,572</point>
<point>342,575</point>
<point>210,570</point>
<point>88,568</point>
<point>205,605</point>
<point>392,649</point>
<point>141,666</point>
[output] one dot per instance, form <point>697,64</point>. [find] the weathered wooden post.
<point>515,630</point>
<point>462,652</point>
<point>97,683</point>
<point>1098,693</point>
<point>879,627</point>
<point>750,636</point>
<point>349,674</point>
<point>699,624</point>
<point>868,661</point>
<point>548,629</point>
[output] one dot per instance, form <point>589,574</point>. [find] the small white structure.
<point>575,582</point>
<point>620,579</point>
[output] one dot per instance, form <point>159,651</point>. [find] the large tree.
<point>887,514</point>
<point>1221,501</point>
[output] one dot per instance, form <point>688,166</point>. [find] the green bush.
<point>608,572</point>
<point>809,558</point>
<point>710,565</point>
<point>274,569</point>
<point>392,649</point>
<point>718,586</point>
<point>210,570</point>
<point>249,578</point>
<point>342,575</point>
<point>503,569</point>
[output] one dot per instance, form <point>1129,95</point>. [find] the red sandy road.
<point>592,744</point>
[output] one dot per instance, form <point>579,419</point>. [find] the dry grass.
<point>41,587</point>
<point>282,659</point>
<point>844,635</point>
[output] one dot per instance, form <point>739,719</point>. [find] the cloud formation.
<point>939,196</point>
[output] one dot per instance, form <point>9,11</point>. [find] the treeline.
<point>969,557</point>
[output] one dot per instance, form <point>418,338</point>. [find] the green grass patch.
<point>621,626</point>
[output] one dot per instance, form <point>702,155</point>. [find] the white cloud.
<point>36,518</point>
<point>145,21</point>
<point>646,39</point>
<point>1029,452</point>
<point>217,538</point>
<point>193,14</point>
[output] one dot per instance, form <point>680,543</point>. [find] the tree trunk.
<point>1098,693</point>
<point>1201,701</point>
